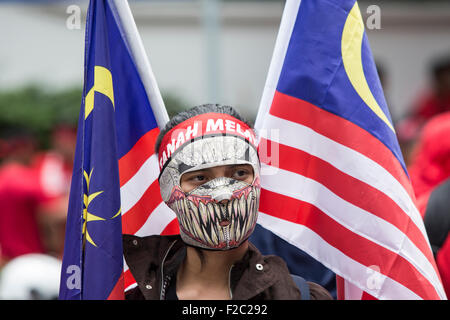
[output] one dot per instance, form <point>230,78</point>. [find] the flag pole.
<point>134,41</point>
<point>280,48</point>
<point>212,44</point>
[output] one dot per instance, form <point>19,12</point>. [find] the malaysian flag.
<point>334,183</point>
<point>114,184</point>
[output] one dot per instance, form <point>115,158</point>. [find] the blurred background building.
<point>200,51</point>
<point>40,49</point>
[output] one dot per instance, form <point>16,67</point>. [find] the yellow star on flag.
<point>87,216</point>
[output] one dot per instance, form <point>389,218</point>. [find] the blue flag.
<point>115,113</point>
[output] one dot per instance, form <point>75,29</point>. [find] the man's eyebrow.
<point>239,165</point>
<point>198,171</point>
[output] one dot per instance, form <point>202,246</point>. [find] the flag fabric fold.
<point>334,181</point>
<point>114,184</point>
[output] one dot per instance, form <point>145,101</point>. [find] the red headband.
<point>203,124</point>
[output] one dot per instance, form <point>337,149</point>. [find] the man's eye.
<point>198,178</point>
<point>241,173</point>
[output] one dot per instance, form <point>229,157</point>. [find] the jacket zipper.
<point>227,236</point>
<point>229,282</point>
<point>226,230</point>
<point>164,281</point>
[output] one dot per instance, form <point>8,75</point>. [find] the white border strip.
<point>132,191</point>
<point>158,220</point>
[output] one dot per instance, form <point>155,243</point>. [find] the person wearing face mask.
<point>210,177</point>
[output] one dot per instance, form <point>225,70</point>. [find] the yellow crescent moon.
<point>351,44</point>
<point>103,84</point>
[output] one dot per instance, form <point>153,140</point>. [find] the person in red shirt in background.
<point>438,99</point>
<point>431,103</point>
<point>20,196</point>
<point>54,168</point>
<point>33,193</point>
<point>430,160</point>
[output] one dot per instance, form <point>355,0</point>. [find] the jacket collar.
<point>154,259</point>
<point>144,257</point>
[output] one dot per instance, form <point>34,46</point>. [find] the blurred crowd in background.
<point>36,167</point>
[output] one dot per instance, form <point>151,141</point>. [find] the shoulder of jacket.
<point>135,247</point>
<point>134,294</point>
<point>280,271</point>
<point>144,255</point>
<point>317,292</point>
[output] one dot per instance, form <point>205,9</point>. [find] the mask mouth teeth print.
<point>224,222</point>
<point>208,224</point>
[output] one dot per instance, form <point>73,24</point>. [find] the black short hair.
<point>195,111</point>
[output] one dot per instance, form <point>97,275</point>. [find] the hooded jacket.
<point>154,261</point>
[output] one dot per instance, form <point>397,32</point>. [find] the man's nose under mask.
<point>218,215</point>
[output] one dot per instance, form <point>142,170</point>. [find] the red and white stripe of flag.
<point>143,210</point>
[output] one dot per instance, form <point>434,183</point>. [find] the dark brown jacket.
<point>154,260</point>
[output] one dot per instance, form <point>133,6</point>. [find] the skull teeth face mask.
<point>211,223</point>
<point>221,213</point>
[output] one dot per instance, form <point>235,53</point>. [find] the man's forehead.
<point>224,167</point>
